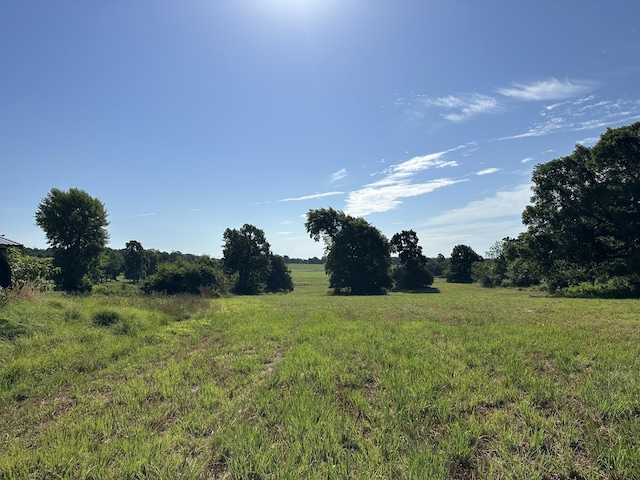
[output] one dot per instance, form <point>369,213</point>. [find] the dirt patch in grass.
<point>161,425</point>
<point>277,358</point>
<point>217,470</point>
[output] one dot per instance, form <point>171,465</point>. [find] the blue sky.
<point>186,118</point>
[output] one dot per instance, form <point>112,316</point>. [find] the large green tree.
<point>584,220</point>
<point>358,255</point>
<point>412,273</point>
<point>75,226</point>
<point>460,268</point>
<point>247,256</point>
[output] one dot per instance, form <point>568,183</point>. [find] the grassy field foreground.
<point>465,383</point>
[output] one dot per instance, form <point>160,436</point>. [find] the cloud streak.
<point>339,175</point>
<point>398,182</point>
<point>310,197</point>
<point>460,108</point>
<point>503,204</point>
<point>479,223</point>
<point>488,171</point>
<point>401,171</point>
<point>585,113</point>
<point>550,89</point>
<point>140,215</point>
<point>375,198</point>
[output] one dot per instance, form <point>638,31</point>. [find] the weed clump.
<point>180,307</point>
<point>105,318</point>
<point>10,330</point>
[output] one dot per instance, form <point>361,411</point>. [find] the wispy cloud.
<point>554,106</point>
<point>417,109</point>
<point>502,204</point>
<point>376,198</point>
<point>398,182</point>
<point>398,172</point>
<point>479,223</point>
<point>548,127</point>
<point>585,113</point>
<point>488,171</point>
<point>140,215</point>
<point>527,160</point>
<point>588,141</point>
<point>479,235</point>
<point>310,197</point>
<point>460,108</point>
<point>339,175</point>
<point>550,89</point>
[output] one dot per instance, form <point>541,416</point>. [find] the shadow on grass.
<point>349,293</point>
<point>417,290</point>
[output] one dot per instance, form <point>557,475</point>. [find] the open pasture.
<point>465,383</point>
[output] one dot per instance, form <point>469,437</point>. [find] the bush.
<point>119,289</point>
<point>412,276</point>
<point>31,272</point>
<point>616,287</point>
<point>194,278</point>
<point>279,279</point>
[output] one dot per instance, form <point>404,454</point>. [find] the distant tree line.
<point>305,261</point>
<point>75,226</point>
<point>582,239</point>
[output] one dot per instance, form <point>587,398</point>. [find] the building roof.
<point>5,242</point>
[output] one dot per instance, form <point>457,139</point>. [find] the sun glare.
<point>293,9</point>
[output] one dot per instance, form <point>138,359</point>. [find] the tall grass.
<point>466,383</point>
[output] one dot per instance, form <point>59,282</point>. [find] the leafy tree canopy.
<point>412,272</point>
<point>75,226</point>
<point>279,279</point>
<point>584,220</point>
<point>247,255</point>
<point>460,268</point>
<point>203,275</point>
<point>111,264</point>
<point>358,255</point>
<point>136,262</point>
<point>27,270</point>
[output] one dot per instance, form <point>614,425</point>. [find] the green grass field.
<point>465,383</point>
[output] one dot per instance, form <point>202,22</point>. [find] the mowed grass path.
<point>465,383</point>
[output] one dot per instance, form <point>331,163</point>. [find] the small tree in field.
<point>111,264</point>
<point>135,261</point>
<point>279,279</point>
<point>75,226</point>
<point>412,273</point>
